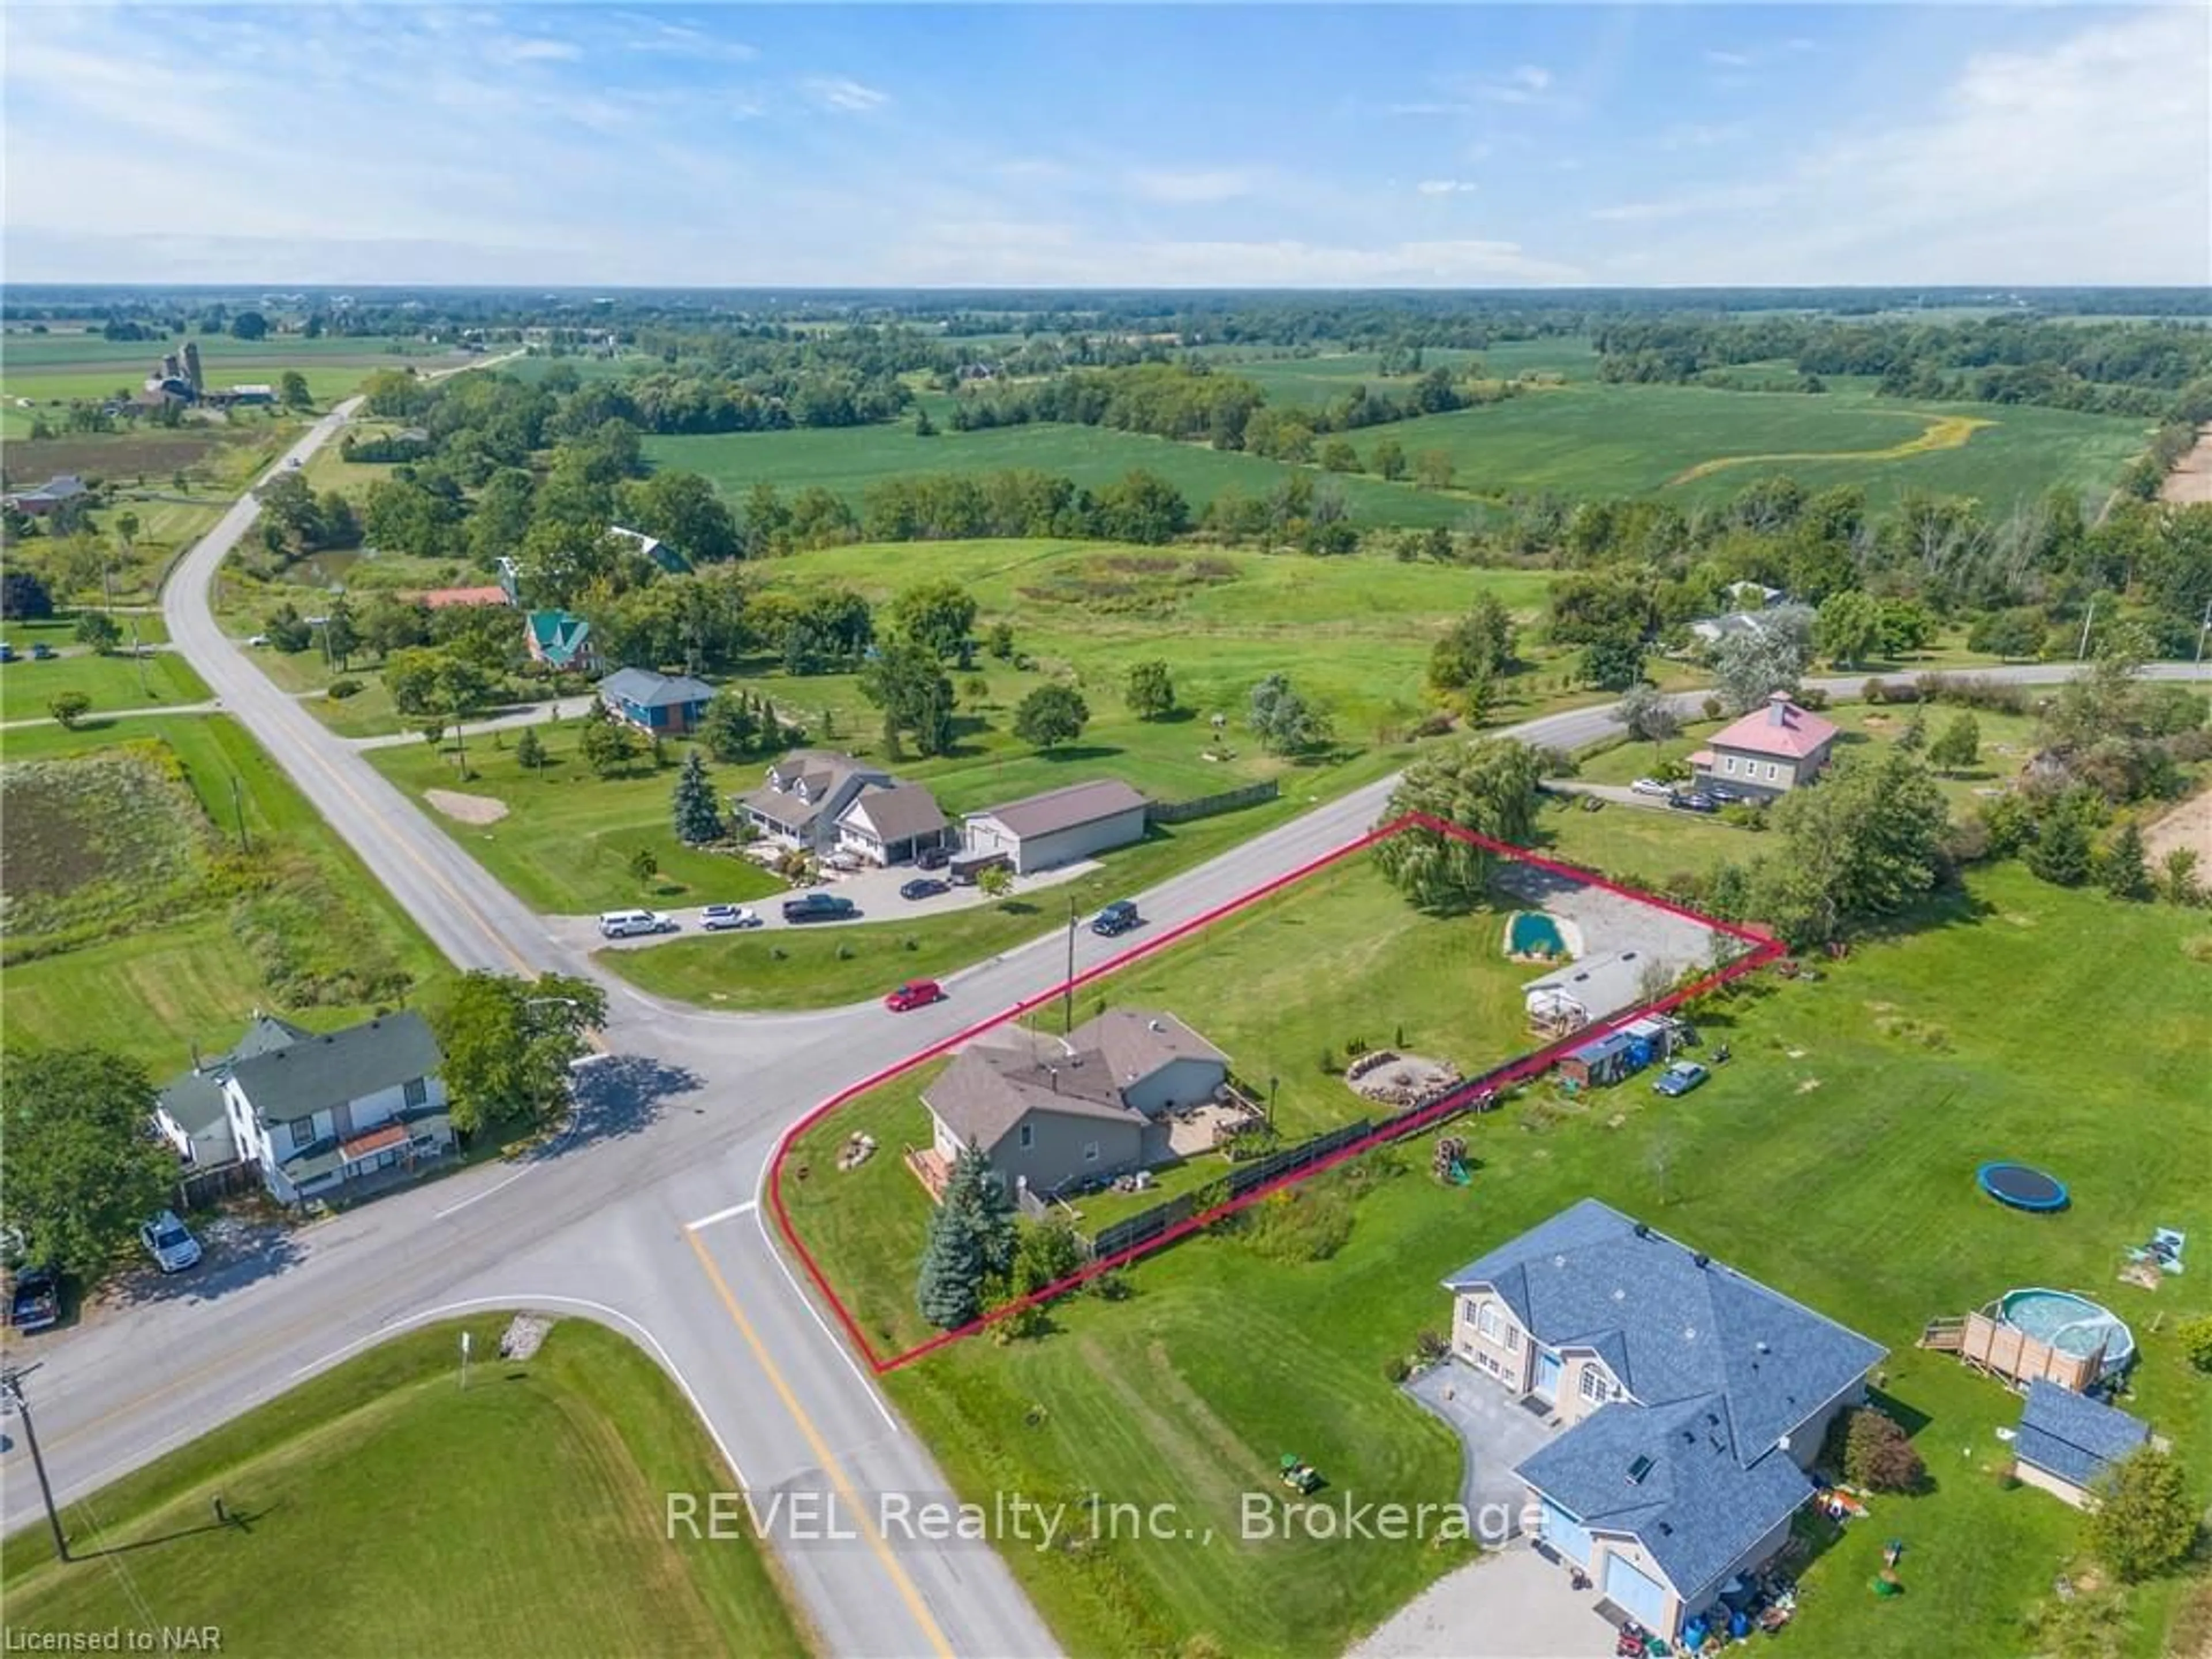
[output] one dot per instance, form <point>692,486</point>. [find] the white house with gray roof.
<point>317,1111</point>
<point>1060,826</point>
<point>823,800</point>
<point>1689,1400</point>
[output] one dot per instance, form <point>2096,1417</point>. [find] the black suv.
<point>818,906</point>
<point>1118,917</point>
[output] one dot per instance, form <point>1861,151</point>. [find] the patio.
<point>1191,1133</point>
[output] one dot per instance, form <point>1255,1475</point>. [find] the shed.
<point>1060,825</point>
<point>1607,1060</point>
<point>2067,1441</point>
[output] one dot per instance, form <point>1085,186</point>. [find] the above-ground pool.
<point>2072,1324</point>
<point>1533,933</point>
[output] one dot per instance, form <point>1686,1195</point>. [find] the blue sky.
<point>1313,145</point>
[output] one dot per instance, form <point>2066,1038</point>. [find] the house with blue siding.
<point>658,705</point>
<point>1688,1402</point>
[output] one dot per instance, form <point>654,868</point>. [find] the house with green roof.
<point>315,1112</point>
<point>561,640</point>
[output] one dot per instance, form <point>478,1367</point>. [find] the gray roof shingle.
<point>1697,1507</point>
<point>987,1089</point>
<point>1136,1043</point>
<point>320,1071</point>
<point>898,813</point>
<point>2072,1435</point>
<point>1721,1369</point>
<point>647,689</point>
<point>1065,808</point>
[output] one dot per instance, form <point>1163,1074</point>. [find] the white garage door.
<point>1565,1534</point>
<point>1628,1586</point>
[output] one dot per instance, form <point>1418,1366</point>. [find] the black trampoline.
<point>2022,1187</point>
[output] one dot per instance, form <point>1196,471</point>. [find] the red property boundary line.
<point>1763,949</point>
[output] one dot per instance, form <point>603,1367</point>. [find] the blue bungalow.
<point>659,705</point>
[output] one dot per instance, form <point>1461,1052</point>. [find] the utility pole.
<point>238,811</point>
<point>2087,617</point>
<point>1067,991</point>
<point>11,1395</point>
<point>2203,629</point>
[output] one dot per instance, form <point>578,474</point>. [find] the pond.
<point>325,569</point>
<point>1533,933</point>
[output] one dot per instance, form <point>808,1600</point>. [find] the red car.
<point>914,993</point>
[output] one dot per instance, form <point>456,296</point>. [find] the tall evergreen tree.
<point>2124,869</point>
<point>698,819</point>
<point>2061,853</point>
<point>971,1243</point>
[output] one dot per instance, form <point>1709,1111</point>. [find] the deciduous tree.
<point>1284,721</point>
<point>1051,715</point>
<point>1149,692</point>
<point>82,1171</point>
<point>98,630</point>
<point>1862,843</point>
<point>67,707</point>
<point>905,681</point>
<point>508,1042</point>
<point>1958,745</point>
<point>939,615</point>
<point>1849,628</point>
<point>1488,786</point>
<point>292,387</point>
<point>2143,1523</point>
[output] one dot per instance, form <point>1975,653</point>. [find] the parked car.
<point>719,918</point>
<point>1696,801</point>
<point>42,652</point>
<point>1724,795</point>
<point>914,993</point>
<point>1649,787</point>
<point>257,639</point>
<point>37,1300</point>
<point>1679,1078</point>
<point>173,1248</point>
<point>818,906</point>
<point>629,924</point>
<point>933,857</point>
<point>7,652</point>
<point>1119,917</point>
<point>921,887</point>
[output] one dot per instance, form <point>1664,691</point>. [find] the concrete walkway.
<point>94,720</point>
<point>537,713</point>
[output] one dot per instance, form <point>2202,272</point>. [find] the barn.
<point>1059,826</point>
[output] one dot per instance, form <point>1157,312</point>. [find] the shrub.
<point>342,689</point>
<point>1873,691</point>
<point>1330,1065</point>
<point>1812,697</point>
<point>1395,1370</point>
<point>1354,1047</point>
<point>1302,1224</point>
<point>2196,1338</point>
<point>1877,1455</point>
<point>1713,707</point>
<point>1429,1346</point>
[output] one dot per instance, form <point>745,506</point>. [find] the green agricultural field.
<point>1833,1159</point>
<point>294,923</point>
<point>119,685</point>
<point>1609,441</point>
<point>1331,376</point>
<point>848,460</point>
<point>520,1516</point>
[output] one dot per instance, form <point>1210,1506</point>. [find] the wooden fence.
<point>1206,806</point>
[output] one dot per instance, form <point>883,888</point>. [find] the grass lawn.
<point>1247,984</point>
<point>2007,742</point>
<point>1833,1159</point>
<point>522,1515</point>
<point>565,845</point>
<point>112,683</point>
<point>189,978</point>
<point>824,966</point>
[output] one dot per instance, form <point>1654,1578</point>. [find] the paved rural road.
<point>645,1216</point>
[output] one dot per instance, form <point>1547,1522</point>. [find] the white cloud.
<point>1728,59</point>
<point>1446,186</point>
<point>1191,185</point>
<point>2078,161</point>
<point>1528,83</point>
<point>651,34</point>
<point>1701,135</point>
<point>540,51</point>
<point>837,92</point>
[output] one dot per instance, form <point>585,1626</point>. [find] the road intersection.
<point>644,1215</point>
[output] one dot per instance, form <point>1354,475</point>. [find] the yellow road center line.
<point>823,1454</point>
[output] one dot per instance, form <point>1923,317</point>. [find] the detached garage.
<point>1059,826</point>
